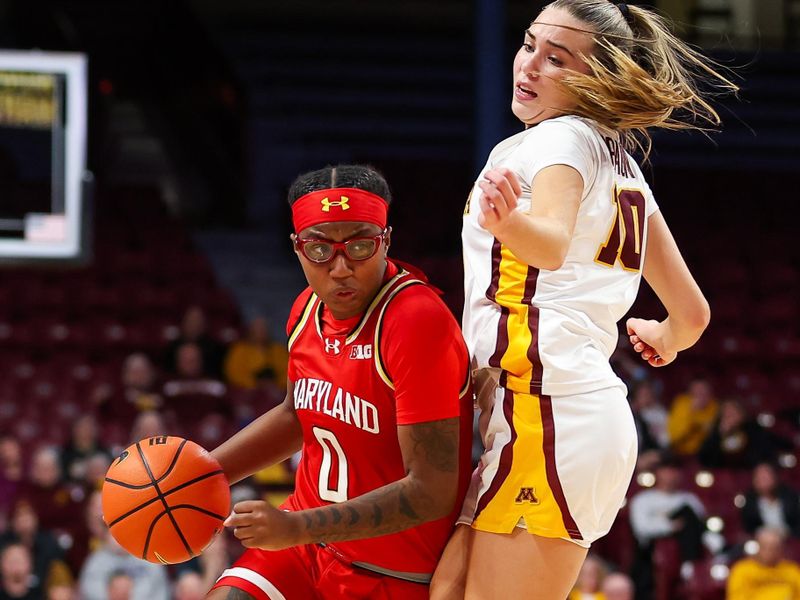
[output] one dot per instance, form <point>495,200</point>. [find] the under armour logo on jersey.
<point>527,494</point>
<point>361,351</point>
<point>341,203</point>
<point>332,346</point>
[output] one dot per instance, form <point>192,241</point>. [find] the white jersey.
<point>553,332</point>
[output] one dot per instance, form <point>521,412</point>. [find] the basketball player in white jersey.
<point>558,231</point>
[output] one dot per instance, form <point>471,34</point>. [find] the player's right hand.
<point>647,338</point>
<point>257,524</point>
<point>500,191</point>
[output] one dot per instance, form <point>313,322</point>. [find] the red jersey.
<point>402,361</point>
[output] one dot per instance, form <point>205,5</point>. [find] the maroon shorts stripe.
<point>491,291</point>
<point>549,447</point>
<point>533,325</point>
<point>506,456</point>
<point>501,345</point>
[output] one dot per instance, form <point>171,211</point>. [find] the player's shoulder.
<point>415,303</point>
<point>298,307</point>
<point>567,127</point>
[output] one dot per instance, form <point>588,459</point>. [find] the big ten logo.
<point>159,440</point>
<point>361,351</point>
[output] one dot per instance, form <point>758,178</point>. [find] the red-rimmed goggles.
<point>321,251</point>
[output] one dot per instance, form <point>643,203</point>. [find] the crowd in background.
<point>54,545</point>
<point>53,541</point>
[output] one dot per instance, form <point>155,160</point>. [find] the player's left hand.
<point>258,524</point>
<point>500,191</point>
<point>646,337</point>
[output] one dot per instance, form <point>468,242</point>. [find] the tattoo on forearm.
<point>380,512</point>
<point>377,515</point>
<point>406,508</point>
<point>439,442</point>
<point>399,505</point>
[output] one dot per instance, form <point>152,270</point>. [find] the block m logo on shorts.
<point>527,494</point>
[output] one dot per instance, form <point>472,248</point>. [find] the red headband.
<point>339,204</point>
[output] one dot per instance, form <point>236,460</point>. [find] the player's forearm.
<point>541,243</point>
<point>268,440</point>
<point>666,272</point>
<point>394,507</point>
<point>681,334</point>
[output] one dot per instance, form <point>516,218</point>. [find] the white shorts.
<point>559,466</point>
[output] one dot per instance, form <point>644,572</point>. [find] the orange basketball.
<point>164,499</point>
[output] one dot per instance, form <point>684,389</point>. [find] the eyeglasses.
<point>322,251</point>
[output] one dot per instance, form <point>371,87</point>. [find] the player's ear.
<point>293,237</point>
<point>387,240</point>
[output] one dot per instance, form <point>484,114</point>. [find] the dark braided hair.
<point>352,176</point>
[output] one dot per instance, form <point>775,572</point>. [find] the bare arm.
<point>541,237</point>
<point>427,492</point>
<point>688,313</point>
<point>270,439</point>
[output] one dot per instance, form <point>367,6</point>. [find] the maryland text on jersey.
<point>327,398</point>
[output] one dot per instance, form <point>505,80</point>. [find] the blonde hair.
<point>641,75</point>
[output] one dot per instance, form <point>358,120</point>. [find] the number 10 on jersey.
<point>626,236</point>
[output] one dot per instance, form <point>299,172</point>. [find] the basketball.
<point>164,499</point>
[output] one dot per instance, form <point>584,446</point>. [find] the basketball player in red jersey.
<point>379,401</point>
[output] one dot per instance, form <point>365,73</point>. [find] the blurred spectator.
<point>648,409</point>
<point>17,580</point>
<point>691,417</point>
<point>61,592</point>
<point>120,586</point>
<point>150,581</point>
<point>137,391</point>
<point>736,441</point>
<point>96,466</point>
<point>192,394</point>
<point>590,578</point>
<point>255,357</point>
<point>148,424</point>
<point>661,512</point>
<point>214,560</point>
<point>650,418</point>
<point>627,363</point>
<point>767,575</point>
<point>193,330</point>
<point>83,443</point>
<point>617,586</point>
<point>189,586</point>
<point>11,474</point>
<point>195,577</point>
<point>49,568</point>
<point>91,533</point>
<point>58,505</point>
<point>771,503</point>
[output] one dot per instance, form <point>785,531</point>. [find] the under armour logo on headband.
<point>354,204</point>
<point>342,203</point>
